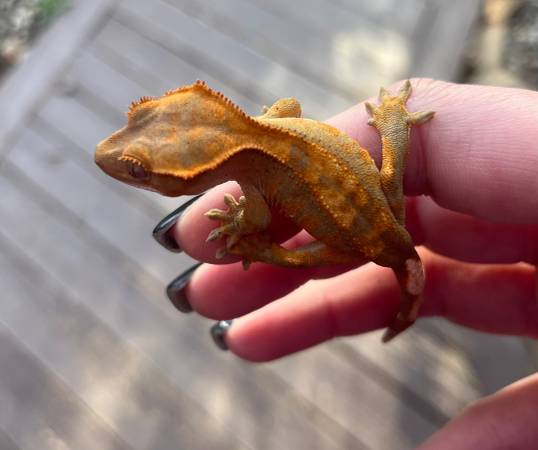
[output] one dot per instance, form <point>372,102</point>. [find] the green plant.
<point>47,9</point>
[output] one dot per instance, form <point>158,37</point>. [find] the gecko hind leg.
<point>244,225</point>
<point>285,107</point>
<point>394,121</point>
<point>258,247</point>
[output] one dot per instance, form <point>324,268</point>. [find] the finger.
<point>506,419</point>
<point>477,155</point>
<point>448,233</point>
<point>227,291</point>
<point>467,238</point>
<point>494,298</point>
<point>192,230</point>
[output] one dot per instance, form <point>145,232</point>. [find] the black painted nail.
<point>161,231</point>
<point>219,331</point>
<point>175,290</point>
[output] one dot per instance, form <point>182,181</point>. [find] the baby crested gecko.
<point>194,138</point>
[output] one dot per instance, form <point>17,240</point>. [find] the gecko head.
<point>122,156</point>
<point>132,156</point>
<point>169,142</point>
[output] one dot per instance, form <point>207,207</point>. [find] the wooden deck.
<point>92,356</point>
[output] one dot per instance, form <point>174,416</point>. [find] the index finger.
<point>479,154</point>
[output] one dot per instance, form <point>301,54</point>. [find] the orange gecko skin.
<point>194,138</point>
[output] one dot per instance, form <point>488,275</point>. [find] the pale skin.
<point>478,160</point>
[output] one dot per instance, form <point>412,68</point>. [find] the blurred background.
<point>92,355</point>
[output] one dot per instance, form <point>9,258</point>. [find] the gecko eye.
<point>136,170</point>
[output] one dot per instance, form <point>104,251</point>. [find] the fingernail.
<point>161,231</point>
<point>219,331</point>
<point>176,290</point>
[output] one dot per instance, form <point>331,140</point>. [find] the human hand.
<point>477,163</point>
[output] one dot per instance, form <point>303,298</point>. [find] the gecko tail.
<point>411,280</point>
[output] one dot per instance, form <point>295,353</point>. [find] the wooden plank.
<point>117,89</point>
<point>358,39</point>
<point>403,15</point>
<point>297,47</point>
<point>417,49</point>
<point>6,442</point>
<point>320,16</point>
<point>31,81</point>
<point>484,351</point>
<point>155,68</point>
<point>357,400</point>
<point>133,305</point>
<point>435,380</point>
<point>442,23</point>
<point>138,402</point>
<point>166,23</point>
<point>82,127</point>
<point>37,408</point>
<point>438,366</point>
<point>120,224</point>
<point>199,60</point>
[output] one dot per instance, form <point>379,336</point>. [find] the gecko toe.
<point>383,94</point>
<point>231,202</point>
<point>232,240</point>
<point>214,235</point>
<point>217,214</point>
<point>370,109</point>
<point>405,91</point>
<point>419,117</point>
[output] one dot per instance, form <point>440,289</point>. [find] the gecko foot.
<point>231,222</point>
<point>242,225</point>
<point>233,225</point>
<point>392,108</point>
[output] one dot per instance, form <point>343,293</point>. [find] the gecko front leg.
<point>249,215</point>
<point>394,122</point>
